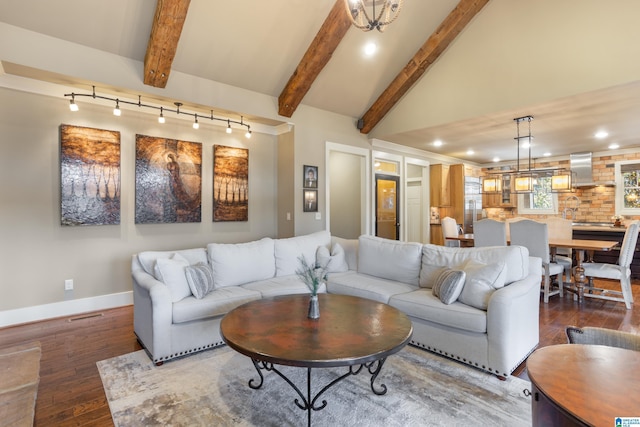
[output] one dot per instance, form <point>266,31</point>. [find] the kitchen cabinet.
<point>436,234</point>
<point>439,185</point>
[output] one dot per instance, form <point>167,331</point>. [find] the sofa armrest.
<point>152,311</point>
<point>513,319</point>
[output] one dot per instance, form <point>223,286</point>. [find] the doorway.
<point>387,206</point>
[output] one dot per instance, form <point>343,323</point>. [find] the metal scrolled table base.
<point>308,403</point>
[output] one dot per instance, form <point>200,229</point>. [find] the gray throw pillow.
<point>200,279</point>
<point>448,285</point>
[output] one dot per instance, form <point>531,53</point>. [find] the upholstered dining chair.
<point>509,221</point>
<point>449,229</point>
<point>620,271</point>
<point>601,336</point>
<point>535,236</point>
<point>489,232</point>
<point>562,228</point>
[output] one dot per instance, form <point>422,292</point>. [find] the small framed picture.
<point>310,198</point>
<point>310,176</point>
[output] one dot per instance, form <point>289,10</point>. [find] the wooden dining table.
<point>579,245</point>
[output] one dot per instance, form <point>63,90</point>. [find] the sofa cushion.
<point>285,285</point>
<point>217,303</point>
<point>171,272</point>
<point>235,264</point>
<point>350,247</point>
<point>200,279</point>
<point>365,286</point>
<point>148,259</point>
<point>424,305</point>
<point>448,285</point>
<point>481,282</point>
<point>334,262</point>
<point>288,250</point>
<point>389,259</point>
<point>435,258</point>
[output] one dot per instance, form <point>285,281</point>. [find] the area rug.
<point>211,389</point>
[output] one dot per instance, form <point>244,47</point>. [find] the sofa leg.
<point>159,363</point>
<point>501,378</point>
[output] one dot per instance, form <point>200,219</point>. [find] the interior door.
<point>387,206</point>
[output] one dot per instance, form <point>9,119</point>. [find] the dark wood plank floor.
<point>71,393</point>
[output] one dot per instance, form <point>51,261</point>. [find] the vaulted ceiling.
<point>303,51</point>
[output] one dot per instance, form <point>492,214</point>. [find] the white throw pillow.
<point>287,251</point>
<point>334,262</point>
<point>448,285</point>
<point>481,282</point>
<point>170,271</point>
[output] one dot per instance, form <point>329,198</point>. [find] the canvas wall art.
<point>230,183</point>
<point>89,176</point>
<point>168,180</point>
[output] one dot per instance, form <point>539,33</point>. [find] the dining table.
<point>580,246</point>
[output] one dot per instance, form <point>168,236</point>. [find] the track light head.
<point>196,125</point>
<point>229,130</point>
<point>72,104</point>
<point>116,111</point>
<point>161,117</point>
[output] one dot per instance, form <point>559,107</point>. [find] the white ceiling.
<point>257,45</point>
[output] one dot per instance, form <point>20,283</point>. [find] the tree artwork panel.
<point>168,180</point>
<point>230,183</point>
<point>89,176</point>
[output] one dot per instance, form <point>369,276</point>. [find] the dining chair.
<point>535,236</point>
<point>620,271</point>
<point>600,336</point>
<point>509,221</point>
<point>489,232</point>
<point>449,229</point>
<point>562,228</point>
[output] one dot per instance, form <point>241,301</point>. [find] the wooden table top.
<point>593,383</point>
<point>350,330</point>
<point>588,245</point>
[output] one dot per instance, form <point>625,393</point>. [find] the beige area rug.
<point>211,389</point>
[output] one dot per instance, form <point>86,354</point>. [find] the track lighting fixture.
<point>117,112</point>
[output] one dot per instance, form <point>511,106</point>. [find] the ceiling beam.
<point>163,42</point>
<point>317,56</point>
<point>448,30</point>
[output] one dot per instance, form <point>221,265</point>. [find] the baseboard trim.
<point>64,308</point>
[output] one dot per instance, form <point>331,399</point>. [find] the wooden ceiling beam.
<point>163,41</point>
<point>446,32</point>
<point>314,60</point>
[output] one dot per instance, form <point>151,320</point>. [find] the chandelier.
<point>523,180</point>
<point>369,14</point>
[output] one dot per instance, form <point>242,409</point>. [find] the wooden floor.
<point>71,393</point>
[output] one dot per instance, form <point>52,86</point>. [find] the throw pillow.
<point>200,279</point>
<point>482,280</point>
<point>448,285</point>
<point>170,271</point>
<point>335,262</point>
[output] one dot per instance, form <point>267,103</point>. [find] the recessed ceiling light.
<point>547,154</point>
<point>470,152</point>
<point>437,143</point>
<point>601,134</point>
<point>370,49</point>
<point>496,159</point>
<point>613,146</point>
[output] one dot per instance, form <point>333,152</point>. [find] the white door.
<point>415,214</point>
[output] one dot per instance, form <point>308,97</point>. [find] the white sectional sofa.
<point>492,325</point>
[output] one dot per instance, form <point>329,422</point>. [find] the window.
<point>627,187</point>
<point>541,200</point>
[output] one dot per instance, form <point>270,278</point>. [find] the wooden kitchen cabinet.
<point>439,185</point>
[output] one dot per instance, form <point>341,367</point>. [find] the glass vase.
<point>314,307</point>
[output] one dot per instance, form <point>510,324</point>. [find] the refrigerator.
<point>472,203</point>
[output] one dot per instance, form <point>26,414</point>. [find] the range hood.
<point>581,166</point>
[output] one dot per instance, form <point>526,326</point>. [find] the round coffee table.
<point>351,331</point>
